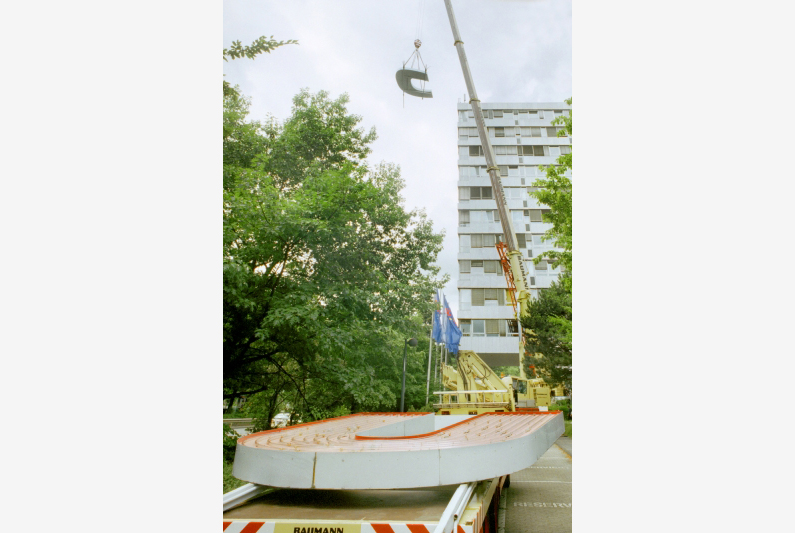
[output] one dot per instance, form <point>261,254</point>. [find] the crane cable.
<point>415,57</point>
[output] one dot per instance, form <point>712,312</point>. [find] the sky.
<point>518,51</point>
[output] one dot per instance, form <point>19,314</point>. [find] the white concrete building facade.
<point>523,138</point>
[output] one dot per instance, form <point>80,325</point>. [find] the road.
<point>539,498</point>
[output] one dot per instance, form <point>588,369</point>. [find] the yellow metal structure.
<point>473,388</point>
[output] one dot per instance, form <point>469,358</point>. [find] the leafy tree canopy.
<point>555,191</point>
<point>550,320</point>
<point>325,273</point>
<point>550,315</point>
<point>259,46</point>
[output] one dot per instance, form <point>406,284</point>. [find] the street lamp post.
<point>409,342</point>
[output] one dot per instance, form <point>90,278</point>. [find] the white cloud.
<point>517,51</point>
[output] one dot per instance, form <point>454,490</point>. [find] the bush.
<point>427,408</point>
<point>564,406</point>
<point>230,443</point>
<point>230,481</point>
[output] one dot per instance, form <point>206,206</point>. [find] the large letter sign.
<point>404,77</point>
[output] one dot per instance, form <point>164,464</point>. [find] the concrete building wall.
<point>490,329</point>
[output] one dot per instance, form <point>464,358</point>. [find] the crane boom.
<point>514,256</point>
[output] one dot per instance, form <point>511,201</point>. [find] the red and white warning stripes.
<point>258,526</point>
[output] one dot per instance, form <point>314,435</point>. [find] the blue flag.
<point>452,333</point>
<point>436,333</point>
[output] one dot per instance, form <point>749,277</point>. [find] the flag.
<point>442,320</point>
<point>436,332</point>
<point>452,332</point>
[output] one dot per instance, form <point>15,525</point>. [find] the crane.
<point>472,374</point>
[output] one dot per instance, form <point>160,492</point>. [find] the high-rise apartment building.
<point>523,138</point>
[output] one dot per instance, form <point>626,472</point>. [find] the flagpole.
<point>430,350</point>
<point>437,366</point>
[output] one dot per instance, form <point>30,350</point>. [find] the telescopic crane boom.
<point>514,256</point>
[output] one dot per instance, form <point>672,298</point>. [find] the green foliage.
<point>555,191</point>
<point>259,46</point>
<point>230,442</point>
<point>550,318</point>
<point>230,481</point>
<point>563,405</point>
<point>567,432</point>
<point>507,370</point>
<point>325,274</point>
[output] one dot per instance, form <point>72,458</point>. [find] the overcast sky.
<point>518,51</point>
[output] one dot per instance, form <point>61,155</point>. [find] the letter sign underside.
<point>404,77</point>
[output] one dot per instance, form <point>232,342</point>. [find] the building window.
<point>463,194</point>
<point>499,132</point>
<point>463,219</point>
<point>538,240</point>
<point>481,240</point>
<point>565,150</point>
<point>488,297</point>
<point>489,328</point>
<point>480,193</point>
<point>491,267</point>
<point>475,151</point>
<point>463,267</point>
<point>484,216</point>
<point>497,113</point>
<point>551,132</point>
<point>535,150</point>
<point>506,150</point>
<point>478,328</point>
<point>464,299</point>
<point>521,242</point>
<point>512,193</point>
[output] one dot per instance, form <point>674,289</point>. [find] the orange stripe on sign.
<point>226,525</point>
<point>382,528</point>
<point>252,527</point>
<point>417,528</point>
<point>460,529</point>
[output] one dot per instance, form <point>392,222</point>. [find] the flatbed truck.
<point>466,508</point>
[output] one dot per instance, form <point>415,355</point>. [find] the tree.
<point>550,320</point>
<point>259,46</point>
<point>555,192</point>
<point>550,316</point>
<point>325,273</point>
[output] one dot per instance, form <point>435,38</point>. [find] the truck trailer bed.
<point>406,505</point>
